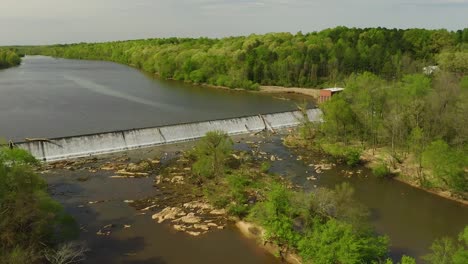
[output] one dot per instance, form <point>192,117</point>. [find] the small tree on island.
<point>211,154</point>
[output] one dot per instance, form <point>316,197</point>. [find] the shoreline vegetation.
<point>34,227</point>
<point>414,130</point>
<point>9,58</point>
<point>317,59</point>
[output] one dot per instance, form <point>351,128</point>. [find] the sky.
<point>26,22</point>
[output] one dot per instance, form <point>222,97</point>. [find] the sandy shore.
<point>255,232</point>
<point>315,93</point>
<point>311,92</point>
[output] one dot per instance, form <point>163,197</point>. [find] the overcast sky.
<point>65,21</point>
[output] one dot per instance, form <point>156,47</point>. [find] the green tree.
<point>211,153</point>
<point>449,251</point>
<point>447,164</point>
<point>338,242</point>
<point>30,219</point>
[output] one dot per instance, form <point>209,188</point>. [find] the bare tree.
<point>68,253</point>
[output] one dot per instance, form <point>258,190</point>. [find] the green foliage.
<point>9,58</point>
<point>404,115</point>
<point>381,170</point>
<point>338,242</point>
<point>464,83</point>
<point>283,59</point>
<point>31,219</point>
<point>404,260</point>
<point>449,251</point>
<point>265,166</point>
<point>351,155</point>
<point>447,164</point>
<point>211,154</point>
<point>275,214</point>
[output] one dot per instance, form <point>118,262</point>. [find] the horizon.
<point>50,22</point>
<point>224,37</point>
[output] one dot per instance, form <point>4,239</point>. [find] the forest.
<point>316,59</point>
<point>415,128</point>
<point>9,58</point>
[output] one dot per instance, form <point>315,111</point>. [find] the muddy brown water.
<point>145,241</point>
<point>412,218</point>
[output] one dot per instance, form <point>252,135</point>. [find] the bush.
<point>381,170</point>
<point>211,153</point>
<point>351,155</point>
<point>238,210</point>
<point>265,166</point>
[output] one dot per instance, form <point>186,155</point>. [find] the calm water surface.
<point>48,97</point>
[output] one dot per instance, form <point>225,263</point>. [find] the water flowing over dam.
<point>108,142</point>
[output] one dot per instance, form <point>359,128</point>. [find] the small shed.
<point>327,93</point>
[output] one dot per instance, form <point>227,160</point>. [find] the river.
<point>48,97</point>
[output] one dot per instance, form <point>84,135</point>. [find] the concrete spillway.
<point>101,143</point>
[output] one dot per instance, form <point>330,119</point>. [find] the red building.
<point>327,93</point>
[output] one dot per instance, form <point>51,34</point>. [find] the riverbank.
<point>281,90</point>
<point>404,171</point>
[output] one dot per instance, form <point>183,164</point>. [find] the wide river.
<point>48,97</point>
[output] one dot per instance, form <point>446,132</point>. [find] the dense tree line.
<point>304,60</point>
<point>9,58</point>
<point>419,119</point>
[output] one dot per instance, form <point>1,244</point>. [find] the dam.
<point>108,142</point>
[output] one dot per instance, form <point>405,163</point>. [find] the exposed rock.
<point>149,207</point>
<point>198,205</point>
<point>95,202</point>
<point>130,174</point>
<point>179,228</point>
<point>177,179</point>
<point>168,213</point>
<point>201,226</point>
<point>121,177</point>
<point>189,219</point>
<point>140,167</point>
<point>158,179</point>
<point>218,212</point>
<point>193,233</point>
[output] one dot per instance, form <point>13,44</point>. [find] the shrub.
<point>351,155</point>
<point>211,153</point>
<point>381,170</point>
<point>265,166</point>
